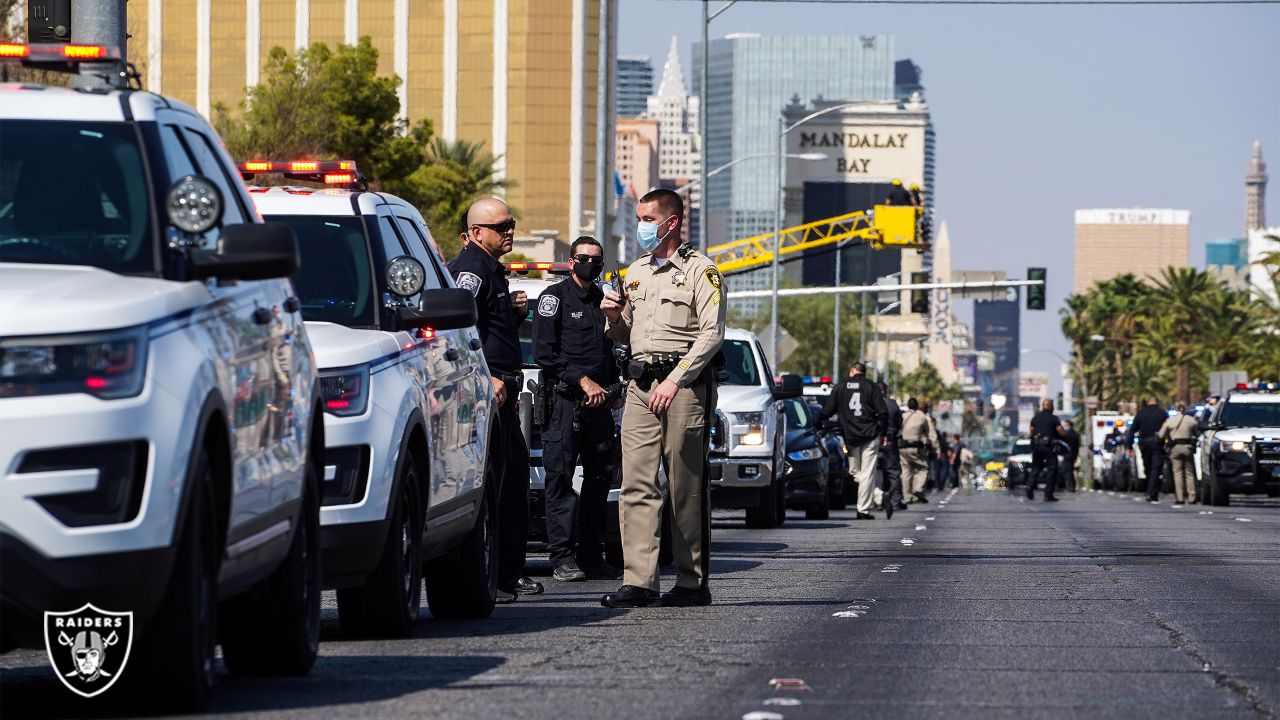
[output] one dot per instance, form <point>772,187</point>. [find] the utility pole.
<point>604,136</point>
<point>701,241</point>
<point>99,22</point>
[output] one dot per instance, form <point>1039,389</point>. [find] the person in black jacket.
<point>1145,429</point>
<point>1046,430</point>
<point>889,460</point>
<point>863,422</point>
<point>1072,439</point>
<point>578,368</point>
<point>491,231</point>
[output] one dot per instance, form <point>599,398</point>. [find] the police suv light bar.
<point>328,172</point>
<point>58,55</point>
<point>524,268</point>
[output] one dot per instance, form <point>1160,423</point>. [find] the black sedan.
<point>805,469</point>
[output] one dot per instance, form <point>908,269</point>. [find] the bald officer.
<point>672,315</point>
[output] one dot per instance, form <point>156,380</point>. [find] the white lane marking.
<point>782,701</point>
<point>848,614</point>
<point>1206,512</point>
<point>859,607</point>
<point>1244,519</point>
<point>921,527</point>
<point>789,685</point>
<point>930,518</point>
<point>907,541</point>
<point>1138,499</point>
<point>762,715</point>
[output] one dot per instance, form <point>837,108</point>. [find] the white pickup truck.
<point>749,436</point>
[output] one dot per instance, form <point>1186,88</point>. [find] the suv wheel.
<point>274,629</point>
<point>387,604</point>
<point>466,585</point>
<point>765,514</point>
<point>177,650</point>
<point>1218,494</point>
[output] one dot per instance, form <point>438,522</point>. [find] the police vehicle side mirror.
<point>791,387</point>
<point>250,251</point>
<point>442,309</point>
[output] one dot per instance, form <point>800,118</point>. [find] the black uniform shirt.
<point>485,277</point>
<point>898,195</point>
<point>1073,441</point>
<point>1045,424</point>
<point>860,406</point>
<point>568,335</point>
<point>1147,423</point>
<point>893,417</point>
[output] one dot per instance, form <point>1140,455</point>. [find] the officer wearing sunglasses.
<point>576,358</point>
<point>490,233</point>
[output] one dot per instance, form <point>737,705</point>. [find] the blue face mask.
<point>647,235</point>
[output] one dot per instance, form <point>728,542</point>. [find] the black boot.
<point>630,596</point>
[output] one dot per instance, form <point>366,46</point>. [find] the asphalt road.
<point>1097,606</point>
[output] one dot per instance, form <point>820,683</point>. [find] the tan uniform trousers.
<point>915,471</point>
<point>676,439</point>
<point>862,466</point>
<point>1182,457</point>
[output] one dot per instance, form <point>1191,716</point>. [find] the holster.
<point>541,405</point>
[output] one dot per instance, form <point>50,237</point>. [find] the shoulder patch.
<point>469,281</point>
<point>548,304</point>
<point>713,277</point>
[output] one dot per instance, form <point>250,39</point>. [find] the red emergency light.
<point>550,267</point>
<point>328,172</point>
<point>57,53</point>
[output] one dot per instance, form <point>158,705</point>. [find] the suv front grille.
<point>1266,454</point>
<point>346,475</point>
<point>122,472</point>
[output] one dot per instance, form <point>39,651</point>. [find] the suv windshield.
<point>739,364</point>
<point>334,283</point>
<point>74,193</point>
<point>1247,414</point>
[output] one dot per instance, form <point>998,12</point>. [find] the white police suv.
<point>1239,451</point>
<point>160,429</point>
<point>408,489</point>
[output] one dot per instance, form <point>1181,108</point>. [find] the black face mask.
<point>588,271</point>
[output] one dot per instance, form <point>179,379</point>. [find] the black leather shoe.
<point>1031,494</point>
<point>899,506</point>
<point>504,598</point>
<point>630,596</point>
<point>527,586</point>
<point>864,516</point>
<point>601,571</point>
<point>921,498</point>
<point>686,597</point>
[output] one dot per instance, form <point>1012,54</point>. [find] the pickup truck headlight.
<point>754,422</point>
<point>1238,446</point>
<point>812,453</point>
<point>345,392</point>
<point>110,365</point>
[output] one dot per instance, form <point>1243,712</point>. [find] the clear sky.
<point>1043,110</point>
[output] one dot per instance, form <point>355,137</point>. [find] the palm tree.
<point>1181,294</point>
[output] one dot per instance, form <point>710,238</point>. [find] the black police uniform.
<point>1146,426</point>
<point>1072,439</point>
<point>498,326</point>
<point>898,195</point>
<point>1044,454</point>
<point>568,344</point>
<point>890,460</point>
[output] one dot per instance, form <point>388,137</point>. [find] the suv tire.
<point>466,585</point>
<point>176,654</point>
<point>387,604</point>
<point>1217,494</point>
<point>765,514</point>
<point>274,629</point>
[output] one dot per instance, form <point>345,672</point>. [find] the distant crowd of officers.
<point>1154,436</point>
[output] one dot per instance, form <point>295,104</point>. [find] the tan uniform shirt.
<point>676,308</point>
<point>1178,427</point>
<point>916,428</point>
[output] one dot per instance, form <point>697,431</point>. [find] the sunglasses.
<point>505,226</point>
<point>582,258</point>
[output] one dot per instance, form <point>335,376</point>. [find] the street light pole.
<point>835,320</point>
<point>702,134</point>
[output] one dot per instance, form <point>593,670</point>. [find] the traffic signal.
<point>920,298</point>
<point>1035,293</point>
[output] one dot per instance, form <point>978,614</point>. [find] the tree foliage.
<point>925,384</point>
<point>331,103</point>
<point>1137,339</point>
<point>809,320</point>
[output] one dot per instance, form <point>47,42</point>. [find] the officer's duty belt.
<point>660,365</point>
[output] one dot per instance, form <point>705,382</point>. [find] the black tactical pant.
<point>891,473</point>
<point>1153,463</point>
<point>1044,461</point>
<point>513,493</point>
<point>575,523</point>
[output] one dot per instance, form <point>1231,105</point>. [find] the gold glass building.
<point>519,75</point>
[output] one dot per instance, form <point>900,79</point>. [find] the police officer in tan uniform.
<point>917,438</point>
<point>672,314</point>
<point>1179,434</point>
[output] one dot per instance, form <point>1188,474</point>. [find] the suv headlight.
<point>754,425</point>
<point>345,392</point>
<point>812,453</point>
<point>109,365</point>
